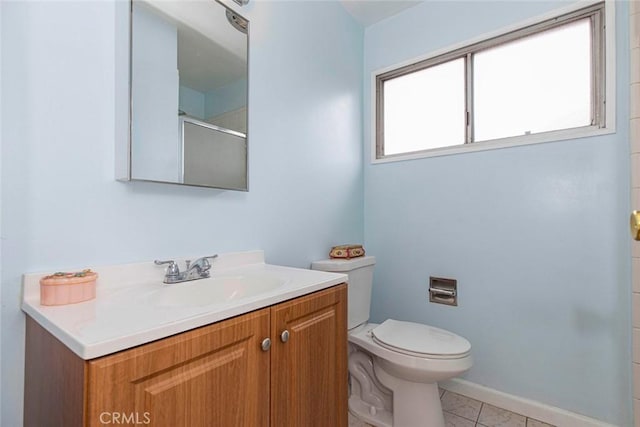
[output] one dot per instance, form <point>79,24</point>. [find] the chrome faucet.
<point>198,269</point>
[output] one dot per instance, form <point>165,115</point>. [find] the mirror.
<point>188,94</point>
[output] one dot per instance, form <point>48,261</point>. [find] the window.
<point>543,79</point>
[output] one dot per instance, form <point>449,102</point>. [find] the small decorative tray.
<point>68,288</point>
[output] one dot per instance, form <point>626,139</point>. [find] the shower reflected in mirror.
<point>188,88</point>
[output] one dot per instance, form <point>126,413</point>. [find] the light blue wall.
<point>213,103</point>
<point>536,235</point>
<point>192,102</point>
<point>62,208</point>
<point>227,98</point>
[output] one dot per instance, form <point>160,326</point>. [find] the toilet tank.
<point>360,272</point>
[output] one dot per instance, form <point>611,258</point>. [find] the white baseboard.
<point>530,408</point>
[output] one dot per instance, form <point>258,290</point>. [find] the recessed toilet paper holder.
<point>443,291</point>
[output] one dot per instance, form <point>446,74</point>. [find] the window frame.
<point>602,16</point>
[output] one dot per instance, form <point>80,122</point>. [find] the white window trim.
<point>558,135</point>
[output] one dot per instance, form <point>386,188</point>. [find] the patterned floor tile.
<point>451,420</point>
<point>461,411</point>
<point>490,416</point>
<point>461,405</point>
<point>535,423</point>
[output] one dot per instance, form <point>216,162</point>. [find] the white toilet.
<point>394,367</point>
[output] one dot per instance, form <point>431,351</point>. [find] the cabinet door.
<point>309,370</point>
<point>216,375</point>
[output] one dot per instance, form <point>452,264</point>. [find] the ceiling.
<point>211,52</point>
<point>368,12</point>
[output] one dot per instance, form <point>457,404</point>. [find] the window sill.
<point>495,144</point>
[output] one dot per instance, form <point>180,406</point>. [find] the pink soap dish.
<point>68,288</point>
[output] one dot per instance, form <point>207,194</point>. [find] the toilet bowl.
<point>410,367</point>
<point>394,366</point>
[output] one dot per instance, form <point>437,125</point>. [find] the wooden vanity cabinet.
<point>216,375</point>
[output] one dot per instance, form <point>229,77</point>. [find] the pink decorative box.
<point>68,288</point>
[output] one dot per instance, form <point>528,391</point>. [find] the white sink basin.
<point>215,290</point>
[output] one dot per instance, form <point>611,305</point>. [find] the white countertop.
<point>123,315</point>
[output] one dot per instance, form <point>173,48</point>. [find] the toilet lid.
<point>420,339</point>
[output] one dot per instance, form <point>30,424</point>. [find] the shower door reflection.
<point>212,156</point>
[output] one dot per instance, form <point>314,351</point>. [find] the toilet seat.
<point>418,340</point>
<point>418,368</point>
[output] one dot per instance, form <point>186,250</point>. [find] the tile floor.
<point>461,411</point>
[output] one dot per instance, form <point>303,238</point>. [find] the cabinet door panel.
<point>216,375</point>
<point>309,370</point>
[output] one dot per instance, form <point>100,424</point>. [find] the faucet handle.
<point>206,264</point>
<point>172,269</point>
<point>202,265</point>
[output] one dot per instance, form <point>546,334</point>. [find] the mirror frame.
<point>128,162</point>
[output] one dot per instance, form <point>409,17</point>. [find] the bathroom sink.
<point>214,290</point>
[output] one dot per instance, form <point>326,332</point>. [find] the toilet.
<point>394,366</point>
